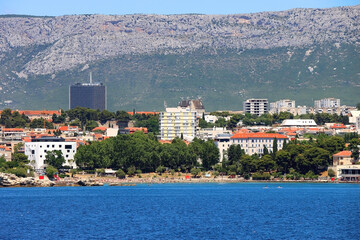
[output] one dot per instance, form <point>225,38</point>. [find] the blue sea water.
<point>182,211</point>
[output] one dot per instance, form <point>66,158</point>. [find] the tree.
<point>275,147</point>
<point>51,171</point>
<point>131,171</point>
<point>353,147</point>
<point>265,151</point>
<point>20,158</point>
<point>106,115</point>
<point>195,172</point>
<point>55,158</point>
<point>210,154</point>
<point>358,106</point>
<point>283,159</point>
<point>120,174</point>
<point>331,173</point>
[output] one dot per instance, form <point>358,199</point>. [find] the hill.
<point>147,59</point>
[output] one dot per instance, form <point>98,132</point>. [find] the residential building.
<point>256,106</point>
<point>210,133</point>
<point>177,122</point>
<point>89,95</point>
<point>327,103</point>
<point>222,141</point>
<point>194,105</point>
<point>284,105</point>
<point>35,114</point>
<point>298,123</point>
<point>343,158</point>
<point>5,152</point>
<point>12,134</point>
<point>36,151</point>
<point>346,167</point>
<point>253,143</point>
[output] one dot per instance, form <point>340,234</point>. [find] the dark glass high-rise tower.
<point>89,95</point>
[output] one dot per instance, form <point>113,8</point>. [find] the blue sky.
<point>68,7</point>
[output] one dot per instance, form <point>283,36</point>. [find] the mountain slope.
<point>146,59</point>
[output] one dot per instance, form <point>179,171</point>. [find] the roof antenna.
<point>90,77</point>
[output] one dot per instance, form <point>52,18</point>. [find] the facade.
<point>284,105</point>
<point>12,134</point>
<point>345,167</point>
<point>36,151</point>
<point>256,106</point>
<point>210,133</point>
<point>222,141</point>
<point>177,121</point>
<point>253,143</point>
<point>194,105</point>
<point>89,95</point>
<point>343,158</point>
<point>5,152</point>
<point>327,103</point>
<point>298,123</point>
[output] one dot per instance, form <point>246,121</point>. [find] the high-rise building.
<point>327,103</point>
<point>256,106</point>
<point>175,122</point>
<point>89,95</point>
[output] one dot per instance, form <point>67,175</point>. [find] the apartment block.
<point>327,103</point>
<point>256,106</point>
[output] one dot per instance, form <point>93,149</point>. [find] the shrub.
<point>20,172</point>
<point>260,176</point>
<point>331,173</point>
<point>120,174</point>
<point>50,171</point>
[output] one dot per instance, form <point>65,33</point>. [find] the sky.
<point>120,7</point>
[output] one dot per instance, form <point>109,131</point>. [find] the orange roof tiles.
<point>68,128</point>
<point>258,135</point>
<point>134,129</point>
<point>100,129</point>
<point>5,148</point>
<point>343,153</point>
<point>13,130</point>
<point>338,126</point>
<point>37,112</point>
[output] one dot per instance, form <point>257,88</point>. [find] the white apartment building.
<point>327,103</point>
<point>256,106</point>
<point>222,141</point>
<point>298,123</point>
<point>36,151</point>
<point>211,133</point>
<point>177,121</point>
<point>284,105</point>
<point>253,143</point>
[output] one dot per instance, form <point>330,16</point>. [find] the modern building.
<point>177,122</point>
<point>36,151</point>
<point>194,105</point>
<point>222,141</point>
<point>298,123</point>
<point>327,103</point>
<point>89,95</point>
<point>284,105</point>
<point>253,143</point>
<point>256,106</point>
<point>346,167</point>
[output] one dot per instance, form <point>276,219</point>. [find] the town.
<point>263,141</point>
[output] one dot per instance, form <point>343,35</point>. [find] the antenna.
<point>90,77</point>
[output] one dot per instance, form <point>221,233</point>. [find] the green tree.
<point>120,174</point>
<point>131,171</point>
<point>20,158</point>
<point>331,173</point>
<point>51,171</point>
<point>283,159</point>
<point>195,172</point>
<point>55,158</point>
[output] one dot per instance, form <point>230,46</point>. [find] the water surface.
<point>182,211</point>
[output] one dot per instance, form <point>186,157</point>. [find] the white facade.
<point>37,149</point>
<point>211,118</point>
<point>256,106</point>
<point>211,133</point>
<point>177,121</point>
<point>284,105</point>
<point>327,103</point>
<point>222,141</point>
<point>298,123</point>
<point>253,143</point>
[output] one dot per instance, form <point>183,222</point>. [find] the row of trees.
<point>143,152</point>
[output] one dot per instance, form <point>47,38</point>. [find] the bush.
<point>20,172</point>
<point>260,176</point>
<point>131,171</point>
<point>120,174</point>
<point>331,173</point>
<point>195,171</point>
<point>160,170</point>
<point>50,171</point>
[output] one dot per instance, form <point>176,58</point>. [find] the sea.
<point>183,211</point>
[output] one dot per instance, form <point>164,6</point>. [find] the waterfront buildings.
<point>346,167</point>
<point>253,143</point>
<point>37,148</point>
<point>284,105</point>
<point>177,122</point>
<point>256,106</point>
<point>89,95</point>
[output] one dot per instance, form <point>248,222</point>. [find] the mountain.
<point>144,60</point>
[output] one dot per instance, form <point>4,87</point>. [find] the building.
<point>210,133</point>
<point>89,95</point>
<point>327,103</point>
<point>253,143</point>
<point>194,105</point>
<point>284,105</point>
<point>5,152</point>
<point>256,106</point>
<point>12,134</point>
<point>222,141</point>
<point>298,123</point>
<point>177,122</point>
<point>36,151</point>
<point>346,167</point>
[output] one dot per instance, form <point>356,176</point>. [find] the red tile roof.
<point>343,154</point>
<point>36,112</point>
<point>68,128</point>
<point>6,148</point>
<point>258,135</point>
<point>338,126</point>
<point>13,130</point>
<point>134,129</point>
<point>100,129</point>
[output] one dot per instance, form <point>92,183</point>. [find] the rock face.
<point>11,180</point>
<point>72,40</point>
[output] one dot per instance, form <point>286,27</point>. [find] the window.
<point>67,156</point>
<point>53,146</point>
<point>47,146</point>
<point>68,147</point>
<point>32,151</point>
